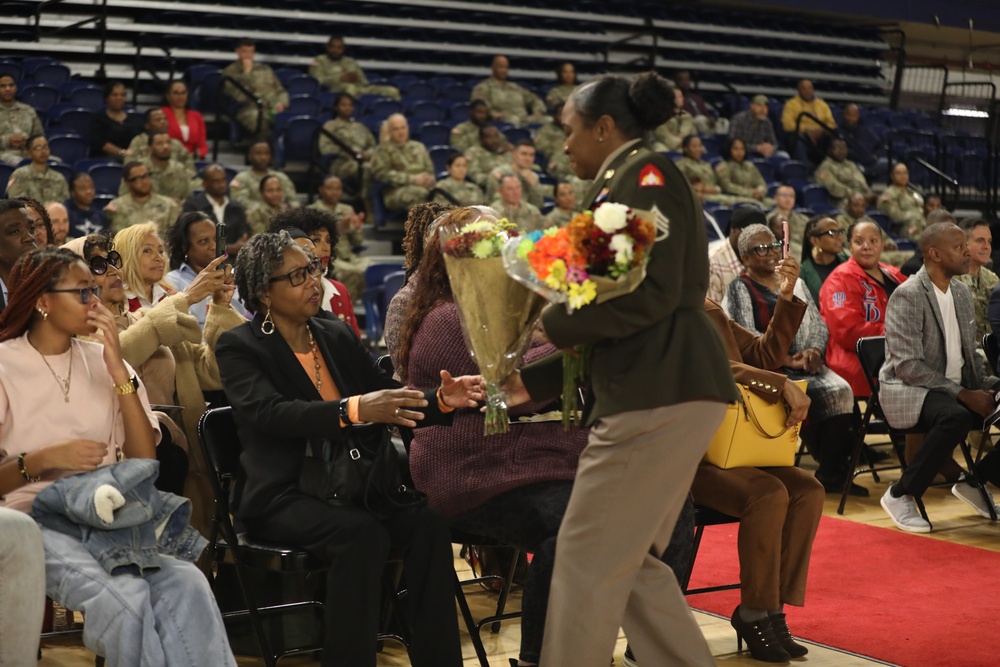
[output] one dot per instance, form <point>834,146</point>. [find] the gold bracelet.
<point>127,388</point>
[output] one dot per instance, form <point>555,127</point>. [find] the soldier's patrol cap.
<point>759,99</point>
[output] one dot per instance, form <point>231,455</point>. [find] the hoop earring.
<point>267,326</point>
<point>44,314</point>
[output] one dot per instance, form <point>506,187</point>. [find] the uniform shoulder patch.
<point>651,177</point>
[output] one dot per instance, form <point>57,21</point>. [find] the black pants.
<point>357,545</point>
<point>947,423</point>
<point>527,518</point>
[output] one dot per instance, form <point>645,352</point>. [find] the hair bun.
<point>652,99</point>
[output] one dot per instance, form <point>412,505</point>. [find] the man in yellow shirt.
<point>810,133</point>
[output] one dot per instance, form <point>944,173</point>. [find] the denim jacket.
<point>146,523</point>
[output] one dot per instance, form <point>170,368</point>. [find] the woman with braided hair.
<point>169,615</point>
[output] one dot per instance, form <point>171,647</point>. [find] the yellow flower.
<point>582,294</point>
<point>557,275</point>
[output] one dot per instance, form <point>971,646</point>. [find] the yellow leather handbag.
<point>753,434</point>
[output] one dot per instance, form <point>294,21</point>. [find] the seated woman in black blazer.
<point>291,376</point>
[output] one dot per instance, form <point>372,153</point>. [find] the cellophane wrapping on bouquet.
<point>497,314</point>
<point>595,257</point>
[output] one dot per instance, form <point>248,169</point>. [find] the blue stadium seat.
<point>722,215</point>
<point>195,74</point>
<point>881,218</point>
<point>107,177</point>
<point>69,148</point>
<point>516,134</point>
<point>303,84</point>
<point>74,120</point>
<point>439,156</point>
<point>423,112</point>
<point>793,170</point>
<point>39,95</point>
<point>86,163</point>
<point>100,201</point>
<point>385,108</point>
<point>286,74</point>
<point>205,96</point>
<point>13,69</point>
<point>90,98</point>
<point>296,142</point>
<point>419,91</point>
<point>765,168</point>
<point>5,171</point>
<point>403,80</point>
<point>433,134</point>
<point>454,93</point>
<point>51,74</point>
<point>459,112</point>
<point>62,168</point>
<point>31,64</point>
<point>815,197</point>
<point>304,105</point>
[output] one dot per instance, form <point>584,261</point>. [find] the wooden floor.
<point>953,522</point>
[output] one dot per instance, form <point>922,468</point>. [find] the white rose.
<point>610,217</point>
<point>622,246</point>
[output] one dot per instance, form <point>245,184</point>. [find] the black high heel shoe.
<point>785,638</point>
<point>760,638</point>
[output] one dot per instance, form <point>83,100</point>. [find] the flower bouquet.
<point>496,313</point>
<point>595,257</point>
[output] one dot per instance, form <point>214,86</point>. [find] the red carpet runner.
<point>901,598</point>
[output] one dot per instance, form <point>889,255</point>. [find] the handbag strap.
<point>749,412</point>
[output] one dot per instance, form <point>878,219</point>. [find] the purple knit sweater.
<point>457,467</point>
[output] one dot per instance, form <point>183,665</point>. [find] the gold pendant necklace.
<point>315,355</point>
<point>63,382</point>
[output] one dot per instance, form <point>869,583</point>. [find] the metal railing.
<point>101,23</point>
<point>648,60</point>
<point>220,110</point>
<point>317,168</point>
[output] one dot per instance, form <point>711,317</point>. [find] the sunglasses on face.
<point>84,292</point>
<point>765,249</point>
<point>298,276</point>
<point>99,265</point>
<point>834,233</point>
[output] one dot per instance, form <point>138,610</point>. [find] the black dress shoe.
<point>784,635</point>
<point>760,638</point>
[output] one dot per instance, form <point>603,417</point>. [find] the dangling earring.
<point>44,314</point>
<point>267,326</point>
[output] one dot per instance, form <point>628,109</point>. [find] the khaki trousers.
<point>632,481</point>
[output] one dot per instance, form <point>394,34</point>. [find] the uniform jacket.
<point>656,346</point>
<point>853,305</point>
<point>278,409</point>
<point>916,360</point>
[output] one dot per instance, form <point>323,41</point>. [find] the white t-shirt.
<point>952,335</point>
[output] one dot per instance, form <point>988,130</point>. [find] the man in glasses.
<point>170,178</point>
<point>17,236</point>
<point>784,209</point>
<point>140,204</point>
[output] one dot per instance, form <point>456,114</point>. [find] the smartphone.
<point>784,234</point>
<point>220,241</point>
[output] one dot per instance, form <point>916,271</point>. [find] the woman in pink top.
<point>69,406</point>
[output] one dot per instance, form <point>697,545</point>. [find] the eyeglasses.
<point>138,177</point>
<point>765,249</point>
<point>99,265</point>
<point>84,292</point>
<point>830,232</point>
<point>298,276</point>
<point>42,147</point>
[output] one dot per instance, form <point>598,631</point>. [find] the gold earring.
<point>44,314</point>
<point>267,326</point>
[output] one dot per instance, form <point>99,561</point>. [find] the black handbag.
<point>363,471</point>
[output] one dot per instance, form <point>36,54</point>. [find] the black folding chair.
<point>705,516</point>
<point>871,353</point>
<point>220,443</point>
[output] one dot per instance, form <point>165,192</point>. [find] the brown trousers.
<point>779,511</point>
<point>630,486</point>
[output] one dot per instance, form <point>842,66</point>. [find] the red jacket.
<point>853,306</point>
<point>197,143</point>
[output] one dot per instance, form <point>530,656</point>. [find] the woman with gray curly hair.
<point>295,378</point>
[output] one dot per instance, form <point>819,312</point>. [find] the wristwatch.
<point>129,387</point>
<point>344,416</point>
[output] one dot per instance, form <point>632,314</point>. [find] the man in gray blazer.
<point>931,378</point>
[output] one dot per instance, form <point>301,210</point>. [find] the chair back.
<point>69,148</point>
<point>991,346</point>
<point>107,177</point>
<point>871,354</point>
<point>221,447</point>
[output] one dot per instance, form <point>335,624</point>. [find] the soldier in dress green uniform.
<point>342,74</point>
<point>454,189</point>
<point>36,180</point>
<point>351,133</point>
<point>260,80</point>
<point>465,135</point>
<point>141,204</point>
<point>522,164</point>
<point>486,155</point>
<point>349,267</point>
<point>18,121</point>
<point>904,206</point>
<point>156,121</point>
<point>565,208</point>
<point>404,165</point>
<point>245,186</point>
<point>691,165</point>
<point>670,135</point>
<point>566,82</point>
<point>508,101</point>
<point>509,204</point>
<point>740,177</point>
<point>840,176</point>
<point>784,205</point>
<point>271,203</point>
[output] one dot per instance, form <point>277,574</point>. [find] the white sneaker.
<point>903,512</point>
<point>971,495</point>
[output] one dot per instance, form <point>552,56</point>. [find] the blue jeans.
<point>167,618</point>
<point>22,588</point>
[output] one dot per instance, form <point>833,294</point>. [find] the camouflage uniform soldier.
<point>558,217</point>
<point>352,133</point>
<point>245,186</point>
<point>140,204</point>
<point>404,165</point>
<point>464,193</point>
<point>17,122</point>
<point>349,267</point>
<point>840,176</point>
<point>465,135</point>
<point>342,74</point>
<point>784,202</point>
<point>170,178</point>
<point>903,205</point>
<point>980,280</point>
<point>550,138</point>
<point>532,188</point>
<point>36,180</point>
<point>486,155</point>
<point>565,206</point>
<point>669,135</point>
<point>511,206</point>
<point>744,180</point>
<point>156,121</point>
<point>703,171</point>
<point>508,101</point>
<point>262,82</point>
<point>260,214</point>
